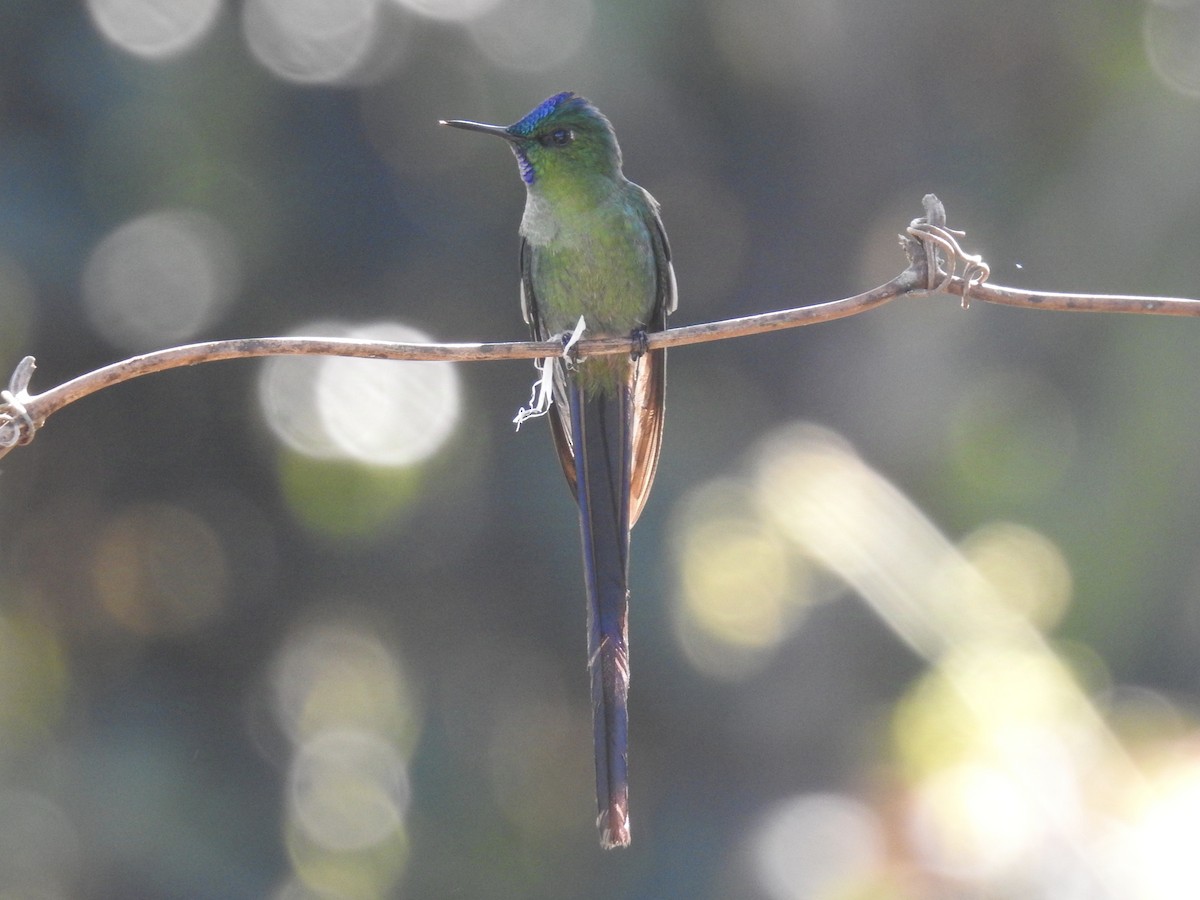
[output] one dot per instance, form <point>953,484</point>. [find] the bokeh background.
<point>916,603</point>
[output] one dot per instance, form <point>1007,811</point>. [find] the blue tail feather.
<point>601,435</point>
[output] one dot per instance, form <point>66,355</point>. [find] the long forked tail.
<point>600,426</point>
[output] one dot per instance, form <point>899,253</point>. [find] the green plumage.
<point>594,260</point>
<point>593,247</point>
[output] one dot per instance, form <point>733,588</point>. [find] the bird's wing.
<point>560,414</point>
<point>650,372</point>
<point>648,388</point>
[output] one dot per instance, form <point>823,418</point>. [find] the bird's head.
<point>562,139</point>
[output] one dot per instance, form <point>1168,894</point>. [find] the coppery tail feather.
<point>648,390</point>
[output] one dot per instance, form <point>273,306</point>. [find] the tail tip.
<point>614,828</point>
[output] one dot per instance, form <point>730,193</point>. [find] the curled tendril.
<point>17,426</point>
<point>975,270</point>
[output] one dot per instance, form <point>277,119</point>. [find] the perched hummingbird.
<point>594,254</point>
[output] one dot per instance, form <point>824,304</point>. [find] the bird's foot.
<point>570,340</point>
<point>641,343</point>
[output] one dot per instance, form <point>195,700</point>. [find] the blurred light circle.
<point>154,28</point>
<point>532,35</point>
<point>804,474</point>
<point>736,583</point>
<point>742,592</point>
<point>287,395</point>
<point>449,10</point>
<point>1161,844</point>
<point>385,412</point>
<point>973,821</point>
<point>159,569</point>
<point>336,677</point>
<point>818,845</point>
<point>1172,36</point>
<point>310,41</point>
<point>1025,568</point>
<point>160,279</point>
<point>348,790</point>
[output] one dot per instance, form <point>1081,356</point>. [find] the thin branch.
<point>934,254</point>
<point>931,235</point>
<point>22,413</point>
<point>1098,303</point>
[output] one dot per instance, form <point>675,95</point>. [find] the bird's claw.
<point>570,340</point>
<point>641,343</point>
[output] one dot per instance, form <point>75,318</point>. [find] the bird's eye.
<point>560,137</point>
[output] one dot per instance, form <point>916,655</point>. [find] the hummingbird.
<point>595,259</point>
